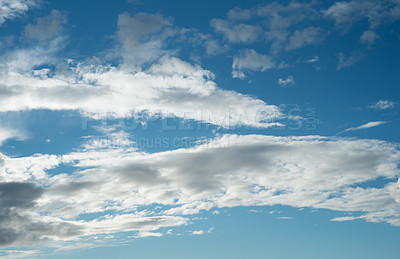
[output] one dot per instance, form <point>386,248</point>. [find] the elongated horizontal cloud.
<point>368,125</point>
<point>229,171</point>
<point>171,87</point>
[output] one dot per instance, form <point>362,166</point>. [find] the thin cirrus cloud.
<point>255,170</point>
<point>367,125</point>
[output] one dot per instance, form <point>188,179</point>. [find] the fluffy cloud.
<point>287,27</point>
<point>6,133</point>
<point>142,37</point>
<point>10,9</point>
<point>250,60</point>
<point>143,82</point>
<point>171,87</point>
<point>345,14</point>
<point>252,170</point>
<point>375,12</point>
<point>276,26</point>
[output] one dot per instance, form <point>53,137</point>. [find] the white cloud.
<point>250,60</point>
<point>7,133</point>
<point>288,81</point>
<point>253,170</point>
<point>197,232</point>
<point>367,125</point>
<point>383,105</point>
<point>170,87</point>
<point>10,9</point>
<point>148,234</point>
<point>347,218</point>
<point>285,218</point>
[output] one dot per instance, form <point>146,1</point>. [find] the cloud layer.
<point>229,171</point>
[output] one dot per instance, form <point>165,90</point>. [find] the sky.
<point>199,129</point>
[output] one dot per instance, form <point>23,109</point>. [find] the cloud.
<point>239,33</point>
<point>369,37</point>
<point>148,234</point>
<point>288,81</point>
<point>312,60</point>
<point>142,36</point>
<point>46,27</point>
<point>383,105</point>
<point>11,9</point>
<point>250,60</point>
<point>344,61</point>
<point>367,125</point>
<point>170,88</point>
<point>17,225</point>
<point>7,133</point>
<point>198,232</point>
<point>253,170</point>
<point>347,218</point>
<point>287,218</point>
<point>302,38</point>
<point>273,23</point>
<point>375,12</point>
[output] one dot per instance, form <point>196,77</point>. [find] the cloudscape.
<point>212,129</point>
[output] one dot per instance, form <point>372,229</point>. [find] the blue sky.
<point>163,129</point>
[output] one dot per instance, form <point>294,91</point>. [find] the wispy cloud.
<point>383,105</point>
<point>347,61</point>
<point>367,125</point>
<point>312,60</point>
